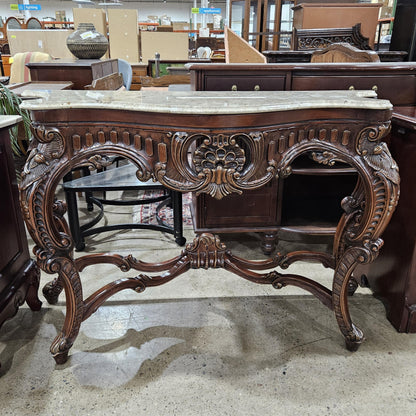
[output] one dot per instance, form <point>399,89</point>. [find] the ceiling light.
<point>83,1</point>
<point>110,3</point>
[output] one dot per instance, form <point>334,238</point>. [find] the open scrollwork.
<point>50,146</point>
<point>219,164</point>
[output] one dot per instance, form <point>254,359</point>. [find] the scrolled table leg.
<point>340,288</point>
<point>70,279</point>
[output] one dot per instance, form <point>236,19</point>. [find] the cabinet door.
<point>13,247</point>
<point>255,209</point>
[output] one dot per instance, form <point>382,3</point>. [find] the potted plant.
<point>20,134</point>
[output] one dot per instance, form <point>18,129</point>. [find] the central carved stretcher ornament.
<point>243,153</point>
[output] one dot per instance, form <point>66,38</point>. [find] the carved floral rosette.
<point>219,164</point>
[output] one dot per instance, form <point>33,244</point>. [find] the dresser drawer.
<point>399,90</point>
<point>245,83</point>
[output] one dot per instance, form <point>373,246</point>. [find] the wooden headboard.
<point>309,39</point>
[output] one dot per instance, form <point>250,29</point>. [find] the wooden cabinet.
<point>81,71</point>
<point>332,15</point>
<point>19,275</point>
<point>403,37</point>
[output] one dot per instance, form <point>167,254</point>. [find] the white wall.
<point>178,12</point>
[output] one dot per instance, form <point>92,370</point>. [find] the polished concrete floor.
<point>207,343</point>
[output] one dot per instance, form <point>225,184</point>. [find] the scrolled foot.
<point>354,339</point>
<point>60,348</point>
<point>61,358</point>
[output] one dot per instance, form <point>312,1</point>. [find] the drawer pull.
<point>351,87</point>
<point>374,88</point>
<point>234,88</point>
<point>257,88</point>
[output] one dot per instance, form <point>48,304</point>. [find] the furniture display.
<point>338,15</point>
<point>306,41</point>
<point>19,275</point>
<point>81,71</point>
<point>119,179</point>
<point>277,57</point>
<point>392,277</point>
<point>272,211</point>
<point>214,143</point>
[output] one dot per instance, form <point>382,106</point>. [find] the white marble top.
<point>203,102</point>
<point>7,121</point>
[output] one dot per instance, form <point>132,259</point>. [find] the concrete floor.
<point>207,343</point>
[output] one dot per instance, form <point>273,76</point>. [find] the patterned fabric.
<point>19,72</point>
<point>146,214</point>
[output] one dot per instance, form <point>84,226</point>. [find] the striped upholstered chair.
<point>19,72</point>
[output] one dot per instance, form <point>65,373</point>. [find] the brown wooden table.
<point>208,142</point>
<point>20,87</point>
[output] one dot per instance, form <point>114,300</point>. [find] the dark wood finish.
<point>304,39</point>
<point>343,52</point>
<point>276,57</point>
<point>81,71</point>
<point>403,36</point>
<point>329,15</point>
<point>159,143</point>
<point>394,81</point>
<point>19,275</point>
<point>392,277</point>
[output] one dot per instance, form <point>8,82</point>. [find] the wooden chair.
<point>19,72</point>
<point>343,52</point>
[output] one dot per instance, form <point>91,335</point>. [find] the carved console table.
<point>238,141</point>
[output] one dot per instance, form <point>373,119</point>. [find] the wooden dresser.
<point>80,71</point>
<point>19,275</point>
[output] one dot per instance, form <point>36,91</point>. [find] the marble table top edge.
<point>203,102</point>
